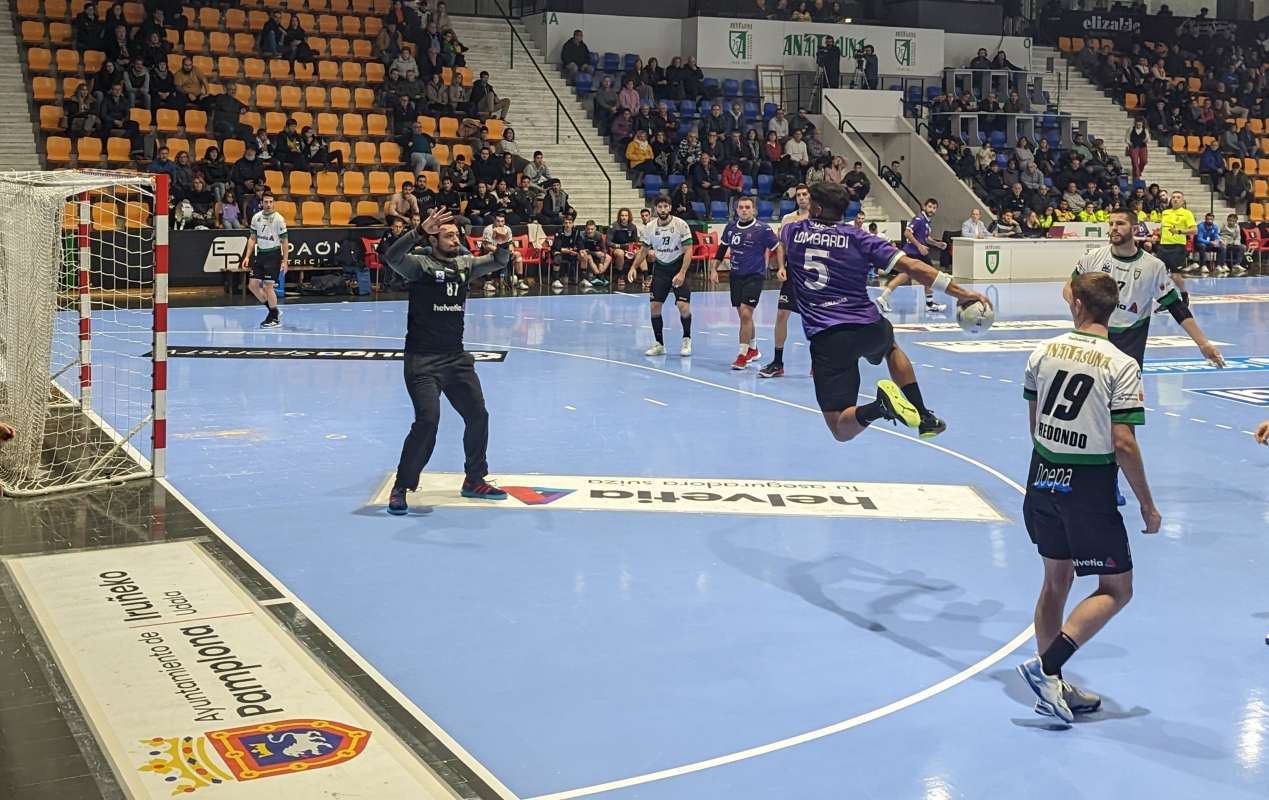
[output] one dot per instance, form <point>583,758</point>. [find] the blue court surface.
<point>809,651</point>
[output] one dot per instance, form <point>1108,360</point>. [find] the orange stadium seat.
<point>195,41</point>
<point>250,119</point>
<point>350,25</point>
<point>287,209</point>
<point>205,65</point>
<point>235,20</point>
<point>314,213</point>
<point>339,48</point>
<point>441,151</point>
<point>219,43</point>
<point>93,59</point>
<point>1262,190</point>
<point>376,125</point>
<point>364,153</point>
<point>351,72</point>
<point>369,208</point>
<point>118,150</point>
<point>380,182</point>
<point>318,5</point>
<point>279,69</point>
<point>69,85</point>
<point>266,96</point>
<point>354,184</point>
<point>327,24</point>
<point>429,126</point>
<point>463,150</point>
<point>233,150</point>
<point>340,213</point>
<point>328,184</point>
<point>320,46</point>
<point>58,149</point>
<point>344,149</point>
<point>167,120</point>
<point>195,121</point>
<point>362,49</point>
<point>400,177</point>
<point>496,129</point>
<point>300,184</point>
<point>176,146</point>
<point>40,59</point>
<point>135,215</point>
<point>432,180</point>
<point>447,128</point>
<point>1178,143</point>
<point>389,153</point>
<point>44,88</point>
<point>51,118</point>
<point>364,99</point>
<point>374,72</point>
<point>88,150</point>
<point>315,98</point>
<point>253,69</point>
<point>292,98</point>
<point>60,33</point>
<point>371,26</point>
<point>29,8</point>
<point>201,146</point>
<point>244,44</point>
<point>256,20</point>
<point>303,119</point>
<point>303,72</point>
<point>327,124</point>
<point>105,216</point>
<point>340,98</point>
<point>1264,166</point>
<point>353,125</point>
<point>229,68</point>
<point>134,13</point>
<point>274,121</point>
<point>307,21</point>
<point>142,117</point>
<point>32,32</point>
<point>328,71</point>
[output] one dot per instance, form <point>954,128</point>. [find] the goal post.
<point>83,328</point>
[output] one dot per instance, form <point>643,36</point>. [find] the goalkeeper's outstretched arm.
<point>926,275</point>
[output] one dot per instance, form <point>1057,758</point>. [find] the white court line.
<point>656,402</point>
<point>288,596</point>
<point>1196,419</point>
<point>569,408</point>
<point>782,744</point>
<point>1224,427</point>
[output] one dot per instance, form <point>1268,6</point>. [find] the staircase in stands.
<point>17,133</point>
<point>1109,121</point>
<point>533,116</point>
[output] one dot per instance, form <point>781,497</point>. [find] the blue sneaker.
<point>1120,500</point>
<point>397,506</point>
<point>482,490</point>
<point>1048,688</point>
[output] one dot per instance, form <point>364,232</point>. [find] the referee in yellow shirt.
<point>1178,225</point>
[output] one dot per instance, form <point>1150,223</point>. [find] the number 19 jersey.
<point>1082,385</point>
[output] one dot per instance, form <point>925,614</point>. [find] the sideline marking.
<point>656,402</point>
<point>684,769</point>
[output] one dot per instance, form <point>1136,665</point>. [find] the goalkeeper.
<point>435,362</point>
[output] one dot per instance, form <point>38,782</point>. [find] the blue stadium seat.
<point>718,210</point>
<point>852,210</point>
<point>703,109</point>
<point>749,89</point>
<point>1048,182</point>
<point>766,209</point>
<point>674,182</point>
<point>786,206</point>
<point>748,188</point>
<point>731,88</point>
<point>914,94</point>
<point>594,59</point>
<point>932,92</point>
<point>997,139</point>
<point>711,86</point>
<point>612,62</point>
<point>1054,139</point>
<point>764,185</point>
<point>628,61</point>
<point>1050,121</point>
<point>651,186</point>
<point>687,109</point>
<point>769,111</point>
<point>1002,160</point>
<point>1138,184</point>
<point>583,84</point>
<point>684,127</point>
<point>700,210</point>
<point>982,138</point>
<point>645,102</point>
<point>751,111</point>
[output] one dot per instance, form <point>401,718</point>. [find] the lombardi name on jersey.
<point>825,238</point>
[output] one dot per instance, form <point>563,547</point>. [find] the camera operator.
<point>829,59</point>
<point>868,63</point>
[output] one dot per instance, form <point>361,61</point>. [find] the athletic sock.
<point>753,345</point>
<point>687,326</point>
<point>744,349</point>
<point>657,323</point>
<point>913,393</point>
<point>1057,654</point>
<point>779,356</point>
<point>886,292</point>
<point>869,413</point>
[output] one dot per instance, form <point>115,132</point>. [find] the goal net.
<point>83,315</point>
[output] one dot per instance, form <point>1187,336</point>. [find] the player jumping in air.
<point>435,362</point>
<point>1085,398</point>
<point>749,242</point>
<point>665,241</point>
<point>917,245</point>
<point>830,262</point>
<point>788,292</point>
<point>268,243</point>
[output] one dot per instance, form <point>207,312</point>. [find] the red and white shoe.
<point>740,362</point>
<point>752,355</point>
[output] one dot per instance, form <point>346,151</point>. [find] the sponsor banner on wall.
<point>190,686</point>
<point>1181,366</point>
<point>745,44</point>
<point>1249,395</point>
<point>198,257</point>
<point>1027,345</point>
<point>1124,26</point>
<point>780,498</point>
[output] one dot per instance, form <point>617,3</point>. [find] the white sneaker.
<point>883,303</point>
<point>656,349</point>
<point>1204,270</point>
<point>557,284</point>
<point>585,284</point>
<point>1190,268</point>
<point>1049,690</point>
<point>490,288</point>
<point>935,308</point>
<point>522,285</point>
<point>1222,269</point>
<point>686,348</point>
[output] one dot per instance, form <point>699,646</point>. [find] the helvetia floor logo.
<point>750,496</point>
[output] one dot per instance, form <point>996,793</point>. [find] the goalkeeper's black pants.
<point>427,377</point>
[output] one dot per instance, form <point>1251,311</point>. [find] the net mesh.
<point>76,328</point>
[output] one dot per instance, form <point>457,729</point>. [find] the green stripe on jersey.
<point>1073,458</point>
<point>1129,416</point>
<point>1028,394</point>
<point>1143,321</point>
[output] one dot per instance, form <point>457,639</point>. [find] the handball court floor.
<point>709,654</point>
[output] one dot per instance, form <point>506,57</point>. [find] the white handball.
<point>975,318</point>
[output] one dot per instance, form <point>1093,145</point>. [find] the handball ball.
<point>975,318</point>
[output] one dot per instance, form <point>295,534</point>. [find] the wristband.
<point>941,282</point>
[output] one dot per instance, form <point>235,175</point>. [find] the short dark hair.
<point>266,193</point>
<point>929,200</point>
<point>661,200</point>
<point>832,197</point>
<point>1127,212</point>
<point>1099,294</point>
<point>745,199</point>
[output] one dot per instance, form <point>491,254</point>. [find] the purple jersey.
<point>920,227</point>
<point>830,265</point>
<point>749,245</point>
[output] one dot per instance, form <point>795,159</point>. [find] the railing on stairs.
<point>842,122</point>
<point>560,110</point>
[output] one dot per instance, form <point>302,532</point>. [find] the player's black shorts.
<point>835,355</point>
<point>1070,513</point>
<point>1133,341</point>
<point>1173,256</point>
<point>266,265</point>
<point>788,295</point>
<point>663,283</point>
<point>746,290</point>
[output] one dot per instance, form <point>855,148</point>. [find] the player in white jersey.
<point>788,287</point>
<point>268,243</point>
<point>1143,281</point>
<point>665,243</point>
<point>1085,398</point>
